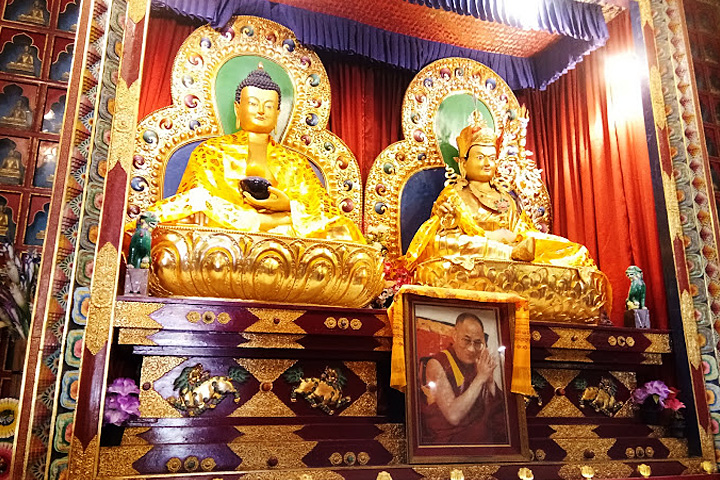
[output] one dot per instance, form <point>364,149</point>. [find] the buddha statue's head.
<point>477,152</point>
<point>257,102</point>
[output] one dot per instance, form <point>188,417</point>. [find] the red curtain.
<point>366,106</point>
<point>588,134</point>
<point>165,35</point>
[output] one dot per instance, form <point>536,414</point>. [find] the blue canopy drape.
<point>581,25</point>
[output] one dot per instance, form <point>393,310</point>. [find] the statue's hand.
<point>268,221</point>
<point>446,212</point>
<point>502,235</point>
<point>278,201</point>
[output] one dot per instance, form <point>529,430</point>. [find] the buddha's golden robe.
<point>463,232</point>
<point>211,185</point>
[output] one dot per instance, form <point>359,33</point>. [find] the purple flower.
<point>111,401</point>
<point>123,386</point>
<point>116,417</point>
<point>129,405</point>
<point>656,389</point>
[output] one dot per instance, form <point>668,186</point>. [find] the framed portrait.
<point>459,407</point>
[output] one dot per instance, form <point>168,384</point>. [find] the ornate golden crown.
<point>478,133</point>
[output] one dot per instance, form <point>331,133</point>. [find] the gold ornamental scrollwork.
<point>152,404</point>
<point>136,314</point>
<point>266,401</point>
<point>136,336</point>
<point>255,455</point>
<point>173,465</point>
<point>101,299</point>
<point>300,270</point>
<point>659,343</point>
<point>687,310</point>
<point>646,13</point>
<point>123,129</point>
<point>658,100</point>
<point>119,460</point>
<point>544,284</point>
<point>137,10</point>
<point>81,463</point>
<point>276,320</point>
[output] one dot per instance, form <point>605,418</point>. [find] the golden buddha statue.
<point>35,15</point>
<point>11,166</point>
<point>246,181</point>
<point>17,117</point>
<point>4,221</point>
<point>251,220</point>
<point>477,224</point>
<point>25,63</point>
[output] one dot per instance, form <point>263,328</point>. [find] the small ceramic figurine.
<point>138,265</point>
<point>637,315</point>
<point>139,256</point>
<point>636,294</point>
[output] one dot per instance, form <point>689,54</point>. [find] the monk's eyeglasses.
<point>477,344</point>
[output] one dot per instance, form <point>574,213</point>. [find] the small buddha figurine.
<point>4,221</point>
<point>25,63</point>
<point>35,15</point>
<point>17,117</point>
<point>476,216</point>
<point>246,181</point>
<point>11,166</point>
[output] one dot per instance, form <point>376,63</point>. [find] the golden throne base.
<point>555,294</point>
<point>207,262</point>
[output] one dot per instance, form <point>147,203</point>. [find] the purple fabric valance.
<point>565,17</point>
<point>327,32</point>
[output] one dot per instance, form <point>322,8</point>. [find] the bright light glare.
<point>431,384</point>
<point>524,11</point>
<point>623,74</point>
<point>501,349</point>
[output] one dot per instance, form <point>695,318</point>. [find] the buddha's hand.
<point>502,235</point>
<point>268,221</point>
<point>278,201</point>
<point>485,365</point>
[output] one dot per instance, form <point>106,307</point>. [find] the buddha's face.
<point>257,111</point>
<point>481,163</point>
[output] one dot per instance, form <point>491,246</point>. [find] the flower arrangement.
<point>396,275</point>
<point>18,279</point>
<point>656,397</point>
<point>121,401</point>
<point>660,394</point>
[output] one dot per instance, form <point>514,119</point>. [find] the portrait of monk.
<point>461,400</point>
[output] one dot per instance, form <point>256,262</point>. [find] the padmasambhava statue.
<point>478,238</point>
<point>474,216</point>
<point>246,181</point>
